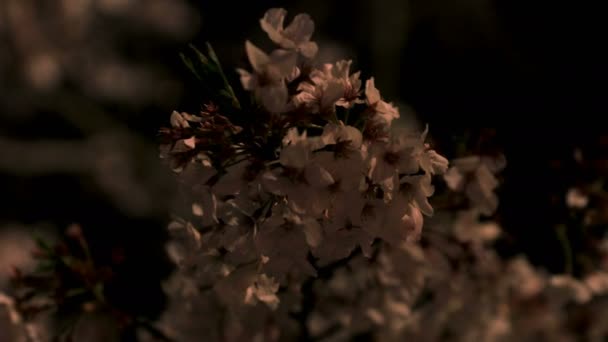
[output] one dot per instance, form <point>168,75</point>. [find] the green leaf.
<point>207,69</point>
<point>69,261</point>
<point>76,292</point>
<point>43,244</point>
<point>98,291</point>
<point>45,266</point>
<point>188,62</point>
<point>228,89</point>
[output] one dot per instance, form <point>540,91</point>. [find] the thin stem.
<point>346,115</point>
<point>274,162</point>
<point>562,235</point>
<point>334,118</point>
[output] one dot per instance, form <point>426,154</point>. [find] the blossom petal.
<point>309,49</point>
<point>300,29</point>
<point>313,232</point>
<point>372,94</point>
<point>272,24</point>
<point>258,58</point>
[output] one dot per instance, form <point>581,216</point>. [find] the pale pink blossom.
<point>295,36</point>
<point>269,76</point>
<point>382,110</point>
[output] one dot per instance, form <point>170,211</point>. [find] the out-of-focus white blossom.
<point>475,176</point>
<point>576,199</point>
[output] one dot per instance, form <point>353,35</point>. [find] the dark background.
<point>85,85</point>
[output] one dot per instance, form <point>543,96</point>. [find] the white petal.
<point>295,73</point>
<point>258,58</point>
<point>272,24</point>
<point>197,209</point>
<point>183,145</point>
<point>295,156</point>
<point>417,220</point>
<point>178,121</point>
<point>274,97</point>
<point>318,176</point>
<point>309,49</point>
<point>439,162</point>
<point>576,199</point>
<point>281,64</point>
<point>300,29</point>
<point>331,94</point>
<point>372,94</point>
<point>342,69</point>
<point>454,179</point>
<point>313,232</point>
<point>248,80</point>
<point>191,142</point>
<point>387,111</point>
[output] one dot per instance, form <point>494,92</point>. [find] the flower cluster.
<point>454,285</point>
<point>451,286</point>
<point>317,177</point>
<point>472,293</point>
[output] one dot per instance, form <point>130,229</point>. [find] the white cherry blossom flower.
<point>382,110</point>
<point>387,160</point>
<point>295,36</point>
<point>269,76</point>
<point>418,189</point>
<point>434,163</point>
<point>474,176</point>
<point>322,93</point>
<point>351,82</point>
<point>329,87</point>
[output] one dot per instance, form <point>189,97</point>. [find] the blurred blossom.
<point>16,247</point>
<point>74,42</point>
<point>64,64</point>
<point>576,199</point>
<point>43,71</point>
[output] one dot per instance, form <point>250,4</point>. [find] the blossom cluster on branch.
<point>313,175</point>
<point>305,222</point>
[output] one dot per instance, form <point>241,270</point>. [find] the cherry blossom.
<point>295,36</point>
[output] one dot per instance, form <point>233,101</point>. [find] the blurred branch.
<point>42,157</point>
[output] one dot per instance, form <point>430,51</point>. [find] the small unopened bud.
<point>74,231</point>
<point>89,307</point>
